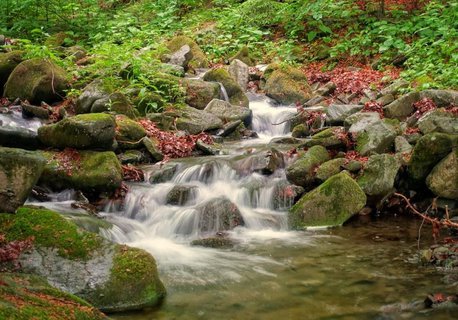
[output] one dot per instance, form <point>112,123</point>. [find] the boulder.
<point>92,92</point>
<point>402,107</point>
<point>111,277</point>
<point>37,80</point>
<point>8,61</point>
<point>328,138</point>
<point>84,131</point>
<point>337,113</point>
<point>286,88</point>
<point>301,172</point>
<point>300,131</point>
<point>218,214</point>
<point>438,121</point>
<point>285,194</point>
<point>401,145</point>
<point>152,146</point>
<point>117,103</point>
<point>198,57</point>
<point>265,162</point>
<point>18,137</point>
<point>330,204</point>
<point>19,172</point>
<point>243,55</point>
<point>35,298</point>
<point>441,98</point>
<point>181,57</point>
<point>361,120</point>
<point>227,112</point>
<point>428,151</point>
<point>196,121</point>
<point>234,92</point>
<point>129,133</point>
<point>131,156</point>
<point>330,168</point>
<point>443,179</point>
<point>395,87</point>
<point>199,93</point>
<point>85,170</point>
<point>239,71</point>
<point>379,175</point>
<point>181,195</point>
<point>162,172</point>
<point>208,149</point>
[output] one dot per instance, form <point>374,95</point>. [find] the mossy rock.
<point>129,133</point>
<point>199,93</point>
<point>56,40</point>
<point>330,168</point>
<point>379,174</point>
<point>443,179</point>
<point>428,151</point>
<point>327,138</point>
<point>149,102</point>
<point>330,204</point>
<point>85,170</point>
<point>227,112</point>
<point>378,137</point>
<point>300,131</point>
<point>216,215</point>
<point>84,131</point>
<point>152,146</point>
<point>288,87</point>
<point>196,121</point>
<point>301,172</point>
<point>439,121</point>
<point>25,296</point>
<point>37,80</point>
<point>117,103</point>
<point>181,194</point>
<point>19,172</point>
<point>111,277</point>
<point>199,59</point>
<point>237,96</point>
<point>243,55</point>
<point>8,61</point>
<point>214,242</point>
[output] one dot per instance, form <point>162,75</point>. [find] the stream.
<point>366,270</point>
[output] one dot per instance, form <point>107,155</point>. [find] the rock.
<point>285,194</point>
<point>287,88</point>
<point>330,168</point>
<point>337,113</point>
<point>379,175</point>
<point>152,145</point>
<point>196,121</point>
<point>402,107</point>
<point>235,93</point>
<point>147,102</point>
<point>239,71</point>
<point>353,166</point>
<point>243,55</point>
<point>8,61</point>
<point>395,87</point>
<point>37,300</point>
<point>301,172</point>
<point>162,172</point>
<point>84,131</point>
<point>265,162</point>
<point>326,89</point>
<point>218,214</point>
<point>115,102</point>
<point>199,93</point>
<point>30,111</point>
<point>180,195</point>
<point>443,179</point>
<point>385,100</point>
<point>328,138</point>
<point>227,112</point>
<point>111,277</point>
<point>131,156</point>
<point>330,204</point>
<point>198,57</point>
<point>37,80</point>
<point>85,170</point>
<point>207,149</point>
<point>18,137</point>
<point>19,172</point>
<point>301,131</point>
<point>361,120</point>
<point>92,92</point>
<point>438,121</point>
<point>428,151</point>
<point>129,133</point>
<point>181,57</point>
<point>229,128</point>
<point>441,98</point>
<point>401,145</point>
<point>75,52</point>
<point>214,242</point>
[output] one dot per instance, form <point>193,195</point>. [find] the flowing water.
<point>361,271</point>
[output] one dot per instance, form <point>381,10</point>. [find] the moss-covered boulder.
<point>19,172</point>
<point>243,55</point>
<point>37,80</point>
<point>329,138</point>
<point>199,60</point>
<point>227,112</point>
<point>199,93</point>
<point>330,204</point>
<point>337,113</point>
<point>19,137</point>
<point>443,179</point>
<point>402,107</point>
<point>85,170</point>
<point>379,174</point>
<point>129,133</point>
<point>438,121</point>
<point>25,296</point>
<point>428,151</point>
<point>84,131</point>
<point>301,172</point>
<point>8,61</point>
<point>287,87</point>
<point>195,121</point>
<point>117,103</point>
<point>236,94</point>
<point>330,168</point>
<point>377,137</point>
<point>152,146</point>
<point>92,92</point>
<point>301,131</point>
<point>111,277</point>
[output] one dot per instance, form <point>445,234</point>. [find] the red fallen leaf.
<point>132,173</point>
<point>354,155</point>
<point>423,106</point>
<point>373,106</point>
<point>410,131</point>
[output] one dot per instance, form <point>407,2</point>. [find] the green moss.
<point>233,89</point>
<point>288,87</point>
<point>128,132</point>
<point>301,172</point>
<point>326,138</point>
<point>8,61</point>
<point>199,59</point>
<point>50,230</point>
<point>24,297</point>
<point>243,55</point>
<point>300,131</point>
<point>330,168</point>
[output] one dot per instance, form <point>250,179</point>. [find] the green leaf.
<point>311,35</point>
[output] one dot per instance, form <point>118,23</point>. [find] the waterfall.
<point>223,92</point>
